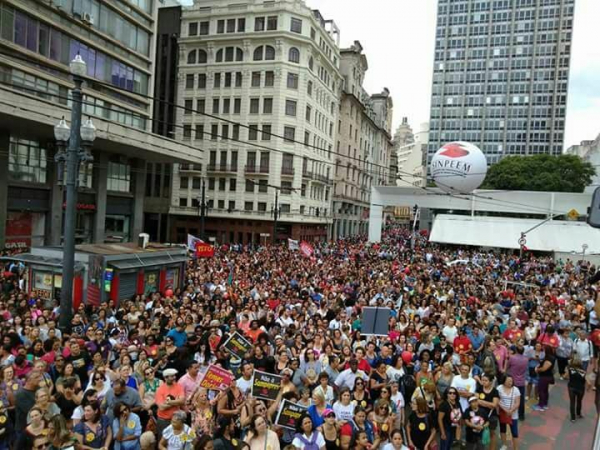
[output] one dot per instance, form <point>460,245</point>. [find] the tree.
<point>564,173</point>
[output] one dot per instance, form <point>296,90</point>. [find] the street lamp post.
<point>203,209</point>
<point>77,140</point>
<point>584,247</point>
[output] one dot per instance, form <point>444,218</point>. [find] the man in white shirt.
<point>450,331</point>
<point>347,377</point>
<point>245,382</point>
<point>582,347</point>
<point>465,385</point>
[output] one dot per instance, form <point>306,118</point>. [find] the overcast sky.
<point>398,39</point>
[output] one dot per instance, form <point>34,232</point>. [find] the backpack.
<point>591,350</point>
<point>407,386</point>
<point>312,445</point>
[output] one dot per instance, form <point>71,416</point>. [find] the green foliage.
<point>564,173</point>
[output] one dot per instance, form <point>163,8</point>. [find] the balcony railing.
<point>222,168</point>
<point>257,169</point>
<point>190,167</point>
<point>287,170</point>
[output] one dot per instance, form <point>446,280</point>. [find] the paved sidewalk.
<point>553,429</point>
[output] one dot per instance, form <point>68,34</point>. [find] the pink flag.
<point>306,249</point>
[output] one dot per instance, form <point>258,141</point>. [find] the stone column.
<point>100,183</point>
<point>4,149</point>
<point>138,171</point>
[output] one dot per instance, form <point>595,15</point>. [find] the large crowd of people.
<point>471,338</point>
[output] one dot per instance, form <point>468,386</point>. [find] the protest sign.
<point>375,321</point>
<point>266,385</point>
<point>216,378</point>
<point>237,345</point>
<point>288,415</point>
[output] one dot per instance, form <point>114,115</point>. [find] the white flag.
<point>192,241</point>
<point>293,245</point>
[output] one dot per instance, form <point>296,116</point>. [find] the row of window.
<point>238,25</point>
<point>231,54</point>
<point>37,37</point>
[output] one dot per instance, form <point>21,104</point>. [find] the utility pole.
<point>75,155</point>
<point>203,209</point>
<point>275,216</point>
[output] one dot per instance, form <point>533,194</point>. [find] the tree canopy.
<point>564,173</point>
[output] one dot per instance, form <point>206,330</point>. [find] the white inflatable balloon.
<point>458,168</point>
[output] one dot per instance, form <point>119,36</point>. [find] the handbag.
<point>485,436</point>
<point>504,417</point>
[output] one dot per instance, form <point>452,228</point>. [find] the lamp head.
<point>88,131</point>
<point>78,66</point>
<point>62,131</point>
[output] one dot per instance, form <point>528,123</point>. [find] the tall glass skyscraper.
<point>501,74</point>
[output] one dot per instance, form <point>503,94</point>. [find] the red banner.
<point>204,250</point>
<point>216,378</point>
<point>19,226</point>
<point>306,249</point>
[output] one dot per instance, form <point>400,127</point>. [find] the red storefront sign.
<point>19,226</point>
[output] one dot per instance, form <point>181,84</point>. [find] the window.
<point>237,105</point>
<point>241,27</point>
<point>292,80</point>
<point>255,79</point>
<point>259,24</point>
<point>289,134</point>
<point>231,205</point>
<point>267,105</point>
<point>238,79</point>
<point>254,105</point>
<point>196,183</point>
<point>228,54</point>
<point>252,132</point>
<point>215,106</point>
<point>294,55</point>
<point>189,81</point>
<point>250,186</point>
<point>201,81</point>
<point>290,108</point>
<point>187,132</point>
<point>192,57</point>
<point>262,206</point>
<point>311,63</point>
<point>308,113</point>
<point>211,184</point>
<point>309,88</point>
<point>188,106</point>
<point>266,132</point>
<point>296,26</point>
<point>214,132</point>
<point>222,184</point>
<point>183,202</point>
<point>220,26</point>
<point>217,80</point>
<point>269,53</point>
<point>199,132</point>
<point>269,78</point>
<point>248,206</point>
<point>271,23</point>
<point>232,184</point>
<point>202,57</point>
<point>221,204</point>
<point>286,187</point>
<point>228,79</point>
<point>204,28</point>
<point>201,105</point>
<point>231,25</point>
<point>193,29</point>
<point>263,186</point>
<point>285,208</point>
<point>27,161</point>
<point>226,105</point>
<point>258,53</point>
<point>119,177</point>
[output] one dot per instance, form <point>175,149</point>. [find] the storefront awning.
<point>29,259</point>
<point>136,263</point>
<point>504,232</point>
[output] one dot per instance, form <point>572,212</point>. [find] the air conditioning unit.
<point>87,18</point>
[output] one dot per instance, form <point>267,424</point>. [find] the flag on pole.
<point>192,242</point>
<point>293,245</point>
<point>306,249</point>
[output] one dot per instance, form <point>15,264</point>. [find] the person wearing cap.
<point>475,422</point>
<point>169,398</point>
<point>330,429</point>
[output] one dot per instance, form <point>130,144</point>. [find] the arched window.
<point>258,53</point>
<point>191,58</point>
<point>269,53</point>
<point>294,55</point>
<point>311,63</point>
<point>239,54</point>
<point>219,57</point>
<point>202,57</point>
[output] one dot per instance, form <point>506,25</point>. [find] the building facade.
<point>116,39</point>
<point>589,151</point>
<point>411,149</point>
<point>259,86</point>
<point>364,148</point>
<point>501,74</point>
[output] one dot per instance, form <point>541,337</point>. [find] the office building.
<point>259,88</point>
<point>411,149</point>
<point>364,148</point>
<point>500,76</point>
<point>589,151</point>
<point>116,39</point>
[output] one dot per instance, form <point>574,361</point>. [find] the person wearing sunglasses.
<point>449,418</point>
<point>126,428</point>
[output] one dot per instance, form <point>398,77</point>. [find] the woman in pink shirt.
<point>501,354</point>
